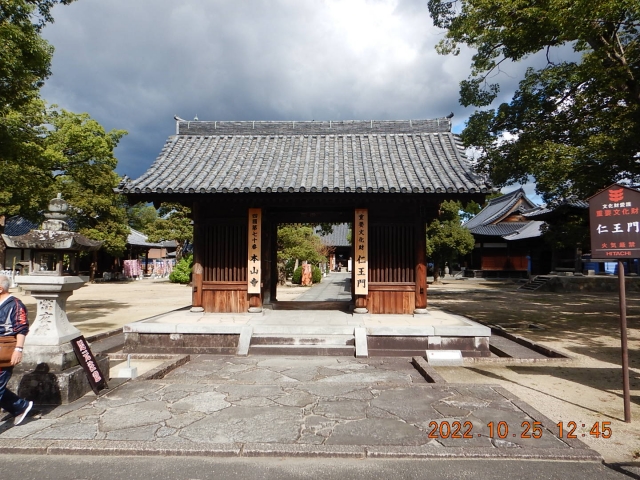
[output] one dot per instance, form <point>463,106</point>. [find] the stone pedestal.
<point>46,387</point>
<point>49,363</point>
<point>51,332</point>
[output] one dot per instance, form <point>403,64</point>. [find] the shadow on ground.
<point>586,323</point>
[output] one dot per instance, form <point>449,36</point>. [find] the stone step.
<point>301,330</point>
<point>316,350</point>
<point>535,284</point>
<point>113,343</point>
<point>503,347</point>
<point>302,340</point>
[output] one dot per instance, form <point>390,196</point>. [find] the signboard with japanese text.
<point>361,251</point>
<point>254,278</point>
<point>614,216</point>
<point>88,362</point>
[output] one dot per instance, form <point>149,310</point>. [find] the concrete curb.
<point>427,371</point>
<point>172,362</point>
<point>142,448</point>
<point>549,352</point>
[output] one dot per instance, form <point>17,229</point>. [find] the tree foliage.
<point>79,153</point>
<point>141,215</point>
<point>173,223</point>
<point>316,275</point>
<point>298,242</point>
<point>572,125</point>
<point>447,239</point>
<point>45,150</point>
<point>25,57</point>
<point>182,271</point>
<point>55,151</point>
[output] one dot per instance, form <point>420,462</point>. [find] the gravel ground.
<point>586,327</point>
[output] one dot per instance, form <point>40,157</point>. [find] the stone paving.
<point>295,406</point>
<point>333,288</point>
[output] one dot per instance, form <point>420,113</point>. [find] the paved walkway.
<point>334,287</point>
<point>291,406</point>
<point>310,406</point>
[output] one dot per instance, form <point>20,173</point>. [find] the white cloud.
<point>133,65</point>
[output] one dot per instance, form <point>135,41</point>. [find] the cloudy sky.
<point>134,64</point>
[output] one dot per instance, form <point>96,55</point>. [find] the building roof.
<point>52,240</point>
<point>139,239</point>
<point>488,221</point>
<point>530,230</point>
<point>17,225</point>
<point>499,229</point>
<point>557,209</point>
<point>338,237</point>
<point>420,156</point>
<point>498,208</point>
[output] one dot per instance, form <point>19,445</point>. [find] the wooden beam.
<point>198,246</point>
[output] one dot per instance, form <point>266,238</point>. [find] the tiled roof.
<point>356,156</point>
<point>547,211</point>
<point>140,239</point>
<point>530,230</point>
<point>499,229</point>
<point>337,238</point>
<point>18,226</point>
<point>498,208</point>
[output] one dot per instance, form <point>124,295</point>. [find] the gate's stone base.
<point>307,333</point>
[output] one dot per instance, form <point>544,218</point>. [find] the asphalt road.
<point>27,467</point>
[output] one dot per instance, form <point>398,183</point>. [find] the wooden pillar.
<point>94,266</point>
<point>272,229</point>
<point>198,270</point>
<point>146,261</point>
<point>421,266</point>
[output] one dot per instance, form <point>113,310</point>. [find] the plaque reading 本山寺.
<point>255,234</point>
<point>361,251</point>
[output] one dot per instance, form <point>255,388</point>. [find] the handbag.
<point>7,346</point>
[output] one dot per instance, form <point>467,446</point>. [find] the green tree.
<point>42,150</point>
<point>27,179</point>
<point>174,223</point>
<point>53,151</point>
<point>572,125</point>
<point>182,272</point>
<point>141,215</point>
<point>447,239</point>
<point>25,57</point>
<point>79,155</point>
<point>298,242</point>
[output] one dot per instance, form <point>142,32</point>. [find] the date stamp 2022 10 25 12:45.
<point>527,429</point>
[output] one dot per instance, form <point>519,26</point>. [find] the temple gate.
<point>242,179</point>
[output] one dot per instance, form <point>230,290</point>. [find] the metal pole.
<point>623,340</point>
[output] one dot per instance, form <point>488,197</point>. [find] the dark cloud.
<point>135,64</point>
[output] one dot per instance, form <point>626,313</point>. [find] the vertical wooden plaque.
<point>254,277</point>
<point>361,251</point>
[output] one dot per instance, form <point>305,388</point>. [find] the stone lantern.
<point>52,278</point>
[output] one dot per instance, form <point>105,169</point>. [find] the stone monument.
<point>49,372</point>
